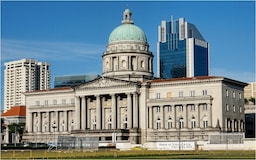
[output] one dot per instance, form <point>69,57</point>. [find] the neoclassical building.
<point>128,101</point>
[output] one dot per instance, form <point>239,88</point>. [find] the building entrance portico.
<point>112,107</point>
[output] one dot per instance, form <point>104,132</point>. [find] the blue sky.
<point>72,36</point>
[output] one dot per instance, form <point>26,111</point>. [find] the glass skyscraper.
<point>181,50</point>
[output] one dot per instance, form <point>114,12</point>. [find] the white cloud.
<point>17,49</point>
<point>240,76</point>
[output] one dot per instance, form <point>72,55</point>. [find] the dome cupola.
<point>127,30</point>
<point>127,56</point>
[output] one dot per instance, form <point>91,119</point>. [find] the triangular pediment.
<point>105,82</point>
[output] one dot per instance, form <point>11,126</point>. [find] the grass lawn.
<point>72,154</point>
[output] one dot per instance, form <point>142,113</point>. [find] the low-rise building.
<point>15,115</point>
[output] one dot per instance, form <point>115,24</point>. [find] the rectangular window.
<point>158,125</point>
<point>46,102</point>
<point>240,109</point>
<point>63,101</point>
<point>54,102</point>
<point>234,108</point>
<point>226,93</point>
<point>169,94</point>
<point>157,95</point>
<point>169,125</point>
<point>72,101</point>
<point>180,94</point>
<point>240,96</point>
<point>192,93</point>
<point>227,107</point>
<point>234,94</point>
<point>204,92</point>
<point>38,103</point>
<point>193,124</point>
<point>205,124</point>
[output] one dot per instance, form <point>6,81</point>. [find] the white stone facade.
<point>157,110</point>
<point>22,76</point>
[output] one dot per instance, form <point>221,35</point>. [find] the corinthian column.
<point>135,110</point>
<point>29,122</point>
<point>83,116</point>
<point>98,112</point>
<point>150,117</point>
<point>39,122</point>
<point>77,114</point>
<point>113,98</point>
<point>129,110</point>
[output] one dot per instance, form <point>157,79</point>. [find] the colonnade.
<point>50,121</point>
<point>234,125</point>
<point>202,114</point>
<point>85,105</point>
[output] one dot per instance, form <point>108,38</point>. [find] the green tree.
<point>2,125</point>
<point>252,99</point>
<point>246,101</point>
<point>19,128</point>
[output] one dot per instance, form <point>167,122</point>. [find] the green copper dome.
<point>127,32</point>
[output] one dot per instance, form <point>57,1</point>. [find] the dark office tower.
<point>181,50</point>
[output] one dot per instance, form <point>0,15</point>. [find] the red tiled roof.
<point>16,111</point>
<point>53,89</point>
<point>180,79</point>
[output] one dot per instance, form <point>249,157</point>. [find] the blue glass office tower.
<point>181,50</point>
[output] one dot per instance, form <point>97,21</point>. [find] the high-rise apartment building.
<point>21,76</point>
<point>181,50</point>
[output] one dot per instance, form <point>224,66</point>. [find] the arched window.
<point>125,122</point>
<point>193,122</point>
<point>169,123</point>
<point>94,123</point>
<point>107,65</point>
<point>241,125</point>
<point>36,126</point>
<point>235,125</point>
<point>181,123</point>
<point>205,122</point>
<point>142,64</point>
<point>109,122</point>
<point>72,125</point>
<point>123,64</point>
<point>45,126</point>
<point>63,126</point>
<point>158,123</point>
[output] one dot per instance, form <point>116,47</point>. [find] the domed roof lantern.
<point>127,17</point>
